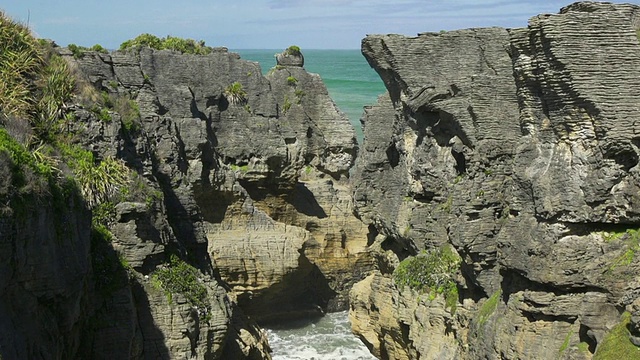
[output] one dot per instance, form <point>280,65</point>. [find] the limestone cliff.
<point>238,211</point>
<point>519,148</point>
<point>249,180</point>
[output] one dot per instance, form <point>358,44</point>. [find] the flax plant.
<point>20,58</point>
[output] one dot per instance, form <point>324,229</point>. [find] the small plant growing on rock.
<point>130,113</point>
<point>293,50</point>
<point>79,51</point>
<point>99,48</point>
<point>178,277</point>
<point>292,80</point>
<point>431,272</point>
<point>235,94</point>
<point>287,105</point>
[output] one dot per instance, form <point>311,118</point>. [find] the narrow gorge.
<point>491,212</point>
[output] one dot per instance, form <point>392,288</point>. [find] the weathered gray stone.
<point>288,58</point>
<point>255,191</point>
<point>519,148</point>
<point>45,270</point>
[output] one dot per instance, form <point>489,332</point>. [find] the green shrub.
<point>21,58</point>
<point>293,50</point>
<point>178,277</point>
<point>235,93</point>
<point>148,40</point>
<point>130,113</point>
<point>292,80</point>
<point>23,158</point>
<point>56,90</point>
<point>80,51</point>
<point>76,50</point>
<point>103,114</point>
<point>185,46</point>
<point>431,272</point>
<point>98,182</point>
<point>99,48</point>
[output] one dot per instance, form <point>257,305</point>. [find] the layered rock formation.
<point>45,265</point>
<point>240,198</point>
<point>519,148</point>
<point>244,175</point>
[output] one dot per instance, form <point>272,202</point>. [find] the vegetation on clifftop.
<point>185,46</point>
<point>79,51</point>
<point>36,89</point>
<point>293,50</point>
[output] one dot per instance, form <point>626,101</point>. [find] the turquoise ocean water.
<point>351,82</point>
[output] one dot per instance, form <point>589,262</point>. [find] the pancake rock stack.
<point>518,148</point>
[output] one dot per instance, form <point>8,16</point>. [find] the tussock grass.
<point>20,59</point>
<point>36,86</point>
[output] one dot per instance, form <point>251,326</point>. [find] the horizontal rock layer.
<point>518,147</point>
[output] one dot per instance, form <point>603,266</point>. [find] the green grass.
<point>104,214</point>
<point>631,239</point>
<point>21,60</point>
<point>616,344</point>
<point>23,159</point>
<point>565,343</point>
<point>488,308</point>
<point>55,90</point>
<point>583,347</point>
<point>291,80</point>
<point>179,277</point>
<point>286,106</point>
<point>99,181</point>
<point>130,113</point>
<point>431,272</point>
<point>242,168</point>
<point>299,94</point>
<point>109,269</point>
<point>35,83</point>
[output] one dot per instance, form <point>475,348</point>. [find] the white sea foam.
<point>327,338</point>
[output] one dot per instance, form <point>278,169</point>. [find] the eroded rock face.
<point>520,150</point>
<point>45,269</point>
<point>247,182</point>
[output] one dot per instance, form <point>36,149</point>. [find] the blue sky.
<point>264,24</point>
